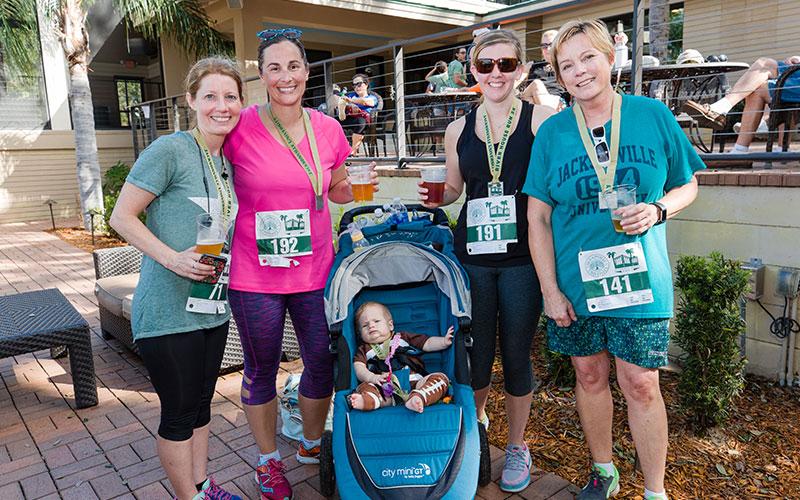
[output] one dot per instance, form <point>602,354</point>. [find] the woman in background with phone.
<point>183,182</point>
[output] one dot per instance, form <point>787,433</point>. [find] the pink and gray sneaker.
<point>212,491</point>
<point>272,481</point>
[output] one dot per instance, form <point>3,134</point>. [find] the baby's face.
<point>375,327</point>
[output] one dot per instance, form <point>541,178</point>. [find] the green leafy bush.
<point>560,372</point>
<point>113,180</point>
<point>707,328</point>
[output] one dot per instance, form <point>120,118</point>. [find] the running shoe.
<point>212,491</point>
<point>270,478</point>
<point>600,486</point>
<point>517,469</point>
<point>305,456</point>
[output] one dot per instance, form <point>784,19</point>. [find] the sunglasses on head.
<point>504,64</point>
<point>601,148</point>
<point>288,33</point>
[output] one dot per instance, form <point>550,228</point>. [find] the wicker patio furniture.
<point>117,272</point>
<point>32,321</point>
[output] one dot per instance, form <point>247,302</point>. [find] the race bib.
<point>210,296</point>
<point>491,224</point>
<point>615,277</point>
<point>282,235</point>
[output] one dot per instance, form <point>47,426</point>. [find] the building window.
<point>129,92</point>
<point>23,105</point>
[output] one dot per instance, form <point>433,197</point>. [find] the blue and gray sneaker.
<point>600,485</point>
<point>517,470</point>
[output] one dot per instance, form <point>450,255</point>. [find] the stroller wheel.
<point>485,466</point>
<point>327,478</point>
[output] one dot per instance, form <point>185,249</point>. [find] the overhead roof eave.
<point>531,7</point>
<point>455,13</point>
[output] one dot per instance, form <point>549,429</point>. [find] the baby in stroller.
<point>386,357</point>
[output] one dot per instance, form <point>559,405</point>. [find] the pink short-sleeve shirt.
<point>268,177</point>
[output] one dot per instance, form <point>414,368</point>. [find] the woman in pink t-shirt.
<point>287,165</point>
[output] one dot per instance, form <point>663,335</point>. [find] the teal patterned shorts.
<point>640,341</point>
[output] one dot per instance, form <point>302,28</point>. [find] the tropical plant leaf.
<point>18,33</point>
<point>184,21</point>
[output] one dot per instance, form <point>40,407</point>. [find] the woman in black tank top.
<point>492,233</point>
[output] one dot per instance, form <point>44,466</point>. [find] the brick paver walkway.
<point>50,450</point>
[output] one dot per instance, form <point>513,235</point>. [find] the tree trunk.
<point>659,29</point>
<point>76,49</point>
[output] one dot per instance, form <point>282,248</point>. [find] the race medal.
<point>615,277</point>
<point>210,296</point>
<point>282,235</point>
<point>319,205</point>
<point>491,224</point>
<point>495,188</point>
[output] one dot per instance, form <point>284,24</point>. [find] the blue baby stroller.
<point>393,453</point>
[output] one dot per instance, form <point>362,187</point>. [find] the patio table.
<point>42,319</point>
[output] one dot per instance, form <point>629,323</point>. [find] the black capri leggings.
<point>355,125</point>
<point>183,370</point>
<point>512,296</point>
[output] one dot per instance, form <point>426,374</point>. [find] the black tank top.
<point>474,167</point>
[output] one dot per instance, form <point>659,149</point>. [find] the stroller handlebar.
<point>439,216</point>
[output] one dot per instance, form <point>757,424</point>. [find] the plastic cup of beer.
<point>618,197</point>
<point>210,235</point>
<point>433,180</point>
<point>361,182</point>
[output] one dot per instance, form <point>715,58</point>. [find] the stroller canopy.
<point>395,263</point>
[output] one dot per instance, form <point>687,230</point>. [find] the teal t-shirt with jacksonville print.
<point>654,155</point>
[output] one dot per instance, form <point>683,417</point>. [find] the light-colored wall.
<point>39,165</point>
<point>745,222</point>
<point>742,29</point>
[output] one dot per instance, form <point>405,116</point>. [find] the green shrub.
<point>560,372</point>
<point>707,328</point>
<point>113,180</point>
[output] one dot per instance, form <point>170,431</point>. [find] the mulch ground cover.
<point>79,237</point>
<point>755,454</point>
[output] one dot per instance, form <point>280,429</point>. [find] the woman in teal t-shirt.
<point>607,291</point>
<point>177,178</point>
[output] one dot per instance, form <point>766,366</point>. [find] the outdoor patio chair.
<point>783,111</point>
<point>371,133</point>
<point>117,273</point>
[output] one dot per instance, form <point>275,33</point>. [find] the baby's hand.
<point>378,378</point>
<point>448,337</point>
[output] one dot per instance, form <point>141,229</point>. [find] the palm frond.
<point>18,33</point>
<point>184,21</point>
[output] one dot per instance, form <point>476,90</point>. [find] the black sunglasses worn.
<point>504,64</point>
<point>545,45</point>
<point>356,84</point>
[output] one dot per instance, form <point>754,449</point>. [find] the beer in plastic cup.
<point>210,235</point>
<point>361,182</point>
<point>433,180</point>
<point>617,197</point>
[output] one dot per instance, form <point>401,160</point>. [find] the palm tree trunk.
<point>659,29</point>
<point>76,48</point>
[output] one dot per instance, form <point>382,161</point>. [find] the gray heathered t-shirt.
<point>172,169</point>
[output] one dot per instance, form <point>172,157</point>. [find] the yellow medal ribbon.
<point>223,188</point>
<point>496,158</point>
<point>316,180</point>
<point>604,174</point>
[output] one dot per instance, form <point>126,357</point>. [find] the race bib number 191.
<point>491,224</point>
